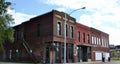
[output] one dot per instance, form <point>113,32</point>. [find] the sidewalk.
<point>93,62</point>
<point>14,63</point>
<point>96,62</point>
<point>55,63</point>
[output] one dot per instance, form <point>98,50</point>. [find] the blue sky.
<point>100,14</point>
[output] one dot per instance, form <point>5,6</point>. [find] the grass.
<point>115,58</point>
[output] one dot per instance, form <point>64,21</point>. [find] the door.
<point>52,57</point>
<point>84,54</point>
<point>79,54</point>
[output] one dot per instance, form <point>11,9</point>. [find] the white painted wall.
<point>107,55</point>
<point>98,56</point>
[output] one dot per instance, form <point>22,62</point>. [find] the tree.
<point>114,53</point>
<point>6,31</point>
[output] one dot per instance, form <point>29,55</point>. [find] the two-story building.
<point>83,42</point>
<point>43,36</point>
<point>100,42</point>
<point>42,39</point>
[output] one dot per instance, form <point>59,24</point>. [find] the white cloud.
<point>19,17</point>
<point>61,9</point>
<point>65,3</point>
<point>113,34</point>
<point>86,20</point>
<point>104,14</point>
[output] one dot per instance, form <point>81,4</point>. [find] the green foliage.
<point>3,6</point>
<point>114,53</point>
<point>6,31</point>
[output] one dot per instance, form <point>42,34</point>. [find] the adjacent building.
<point>42,39</point>
<point>115,48</point>
<point>100,42</point>
<point>83,43</point>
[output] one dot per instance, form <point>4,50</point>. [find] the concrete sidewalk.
<point>93,62</point>
<point>98,62</point>
<point>14,63</point>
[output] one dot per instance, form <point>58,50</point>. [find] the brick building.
<point>41,39</point>
<point>100,42</point>
<point>42,35</point>
<point>83,42</point>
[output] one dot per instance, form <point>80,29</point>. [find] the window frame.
<point>79,36</point>
<point>59,28</point>
<point>71,32</point>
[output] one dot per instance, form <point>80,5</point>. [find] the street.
<point>96,62</point>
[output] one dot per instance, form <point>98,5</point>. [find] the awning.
<point>85,45</point>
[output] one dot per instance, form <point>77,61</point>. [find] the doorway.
<point>84,54</point>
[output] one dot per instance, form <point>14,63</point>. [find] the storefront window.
<point>89,52</point>
<point>70,52</point>
<point>57,46</point>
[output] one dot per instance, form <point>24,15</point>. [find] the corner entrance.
<point>55,52</point>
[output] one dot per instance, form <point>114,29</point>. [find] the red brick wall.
<point>82,29</point>
<point>99,47</point>
<point>48,32</point>
<point>61,19</point>
<point>93,56</point>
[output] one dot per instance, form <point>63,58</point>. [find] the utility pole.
<point>65,32</point>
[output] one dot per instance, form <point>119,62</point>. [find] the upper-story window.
<point>66,30</point>
<point>95,40</point>
<point>99,42</point>
<point>88,37</point>
<point>92,40</point>
<point>102,42</point>
<point>107,43</point>
<point>58,28</point>
<point>83,37</point>
<point>38,30</point>
<point>71,31</point>
<point>79,36</point>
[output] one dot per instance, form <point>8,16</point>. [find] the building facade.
<point>83,43</point>
<point>100,42</point>
<point>41,39</point>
